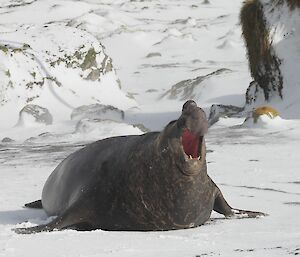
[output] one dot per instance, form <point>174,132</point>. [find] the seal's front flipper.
<point>35,205</point>
<point>222,207</point>
<point>240,214</point>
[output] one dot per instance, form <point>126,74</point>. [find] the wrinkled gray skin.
<point>142,183</point>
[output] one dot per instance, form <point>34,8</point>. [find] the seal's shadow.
<point>14,217</point>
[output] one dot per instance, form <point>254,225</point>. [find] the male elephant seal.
<point>155,181</point>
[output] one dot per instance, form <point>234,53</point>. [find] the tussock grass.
<point>293,3</point>
<point>263,63</point>
<point>264,110</point>
<point>255,33</point>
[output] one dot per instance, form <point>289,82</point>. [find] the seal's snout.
<point>194,125</point>
<point>188,105</point>
<point>194,118</point>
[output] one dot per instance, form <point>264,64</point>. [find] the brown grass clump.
<point>293,3</point>
<point>263,63</point>
<point>264,110</point>
<point>254,31</point>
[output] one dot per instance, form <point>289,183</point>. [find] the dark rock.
<point>186,89</point>
<point>7,140</point>
<point>219,110</point>
<point>97,111</point>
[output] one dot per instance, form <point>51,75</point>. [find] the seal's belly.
<point>155,221</point>
<point>151,213</point>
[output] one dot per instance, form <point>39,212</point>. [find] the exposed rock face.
<point>218,111</point>
<point>7,140</point>
<point>93,63</point>
<point>187,89</point>
<point>97,111</point>
<point>33,114</point>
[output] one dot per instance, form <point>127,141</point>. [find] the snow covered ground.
<point>155,45</point>
<point>257,169</point>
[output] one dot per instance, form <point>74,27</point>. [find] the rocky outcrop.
<point>7,140</point>
<point>189,89</point>
<point>33,114</point>
<point>218,111</point>
<point>97,111</point>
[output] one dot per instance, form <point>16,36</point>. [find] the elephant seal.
<point>150,182</point>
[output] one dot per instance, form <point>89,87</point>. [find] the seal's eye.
<point>191,144</point>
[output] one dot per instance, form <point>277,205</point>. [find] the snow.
<point>105,128</point>
<point>255,165</point>
<point>265,121</point>
<point>255,169</point>
<point>51,72</point>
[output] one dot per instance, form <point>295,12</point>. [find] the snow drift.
<point>40,65</point>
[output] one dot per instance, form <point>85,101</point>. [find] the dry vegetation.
<point>264,110</point>
<point>255,33</point>
<point>293,3</point>
<point>263,63</point>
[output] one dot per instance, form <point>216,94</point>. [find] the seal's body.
<point>155,181</point>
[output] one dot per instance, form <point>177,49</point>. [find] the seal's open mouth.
<point>191,144</point>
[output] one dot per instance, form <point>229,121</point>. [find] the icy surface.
<point>154,46</point>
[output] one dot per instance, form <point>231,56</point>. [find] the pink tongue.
<point>190,143</point>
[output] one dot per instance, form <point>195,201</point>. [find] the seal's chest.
<point>172,206</point>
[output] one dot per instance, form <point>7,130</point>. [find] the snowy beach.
<point>147,56</point>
